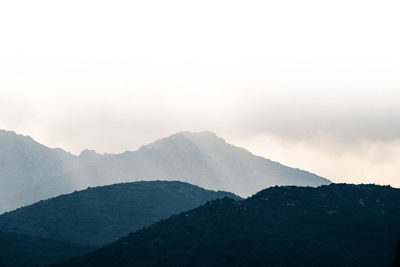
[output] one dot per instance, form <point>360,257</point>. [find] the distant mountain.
<point>198,158</point>
<point>334,225</point>
<point>30,172</point>
<point>100,215</point>
<point>18,250</point>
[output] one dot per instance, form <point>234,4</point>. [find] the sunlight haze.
<point>313,88</point>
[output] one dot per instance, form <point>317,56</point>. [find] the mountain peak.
<point>197,137</point>
<point>202,133</point>
<point>184,138</point>
<point>190,134</point>
<point>12,134</point>
<point>88,152</point>
<point>204,136</point>
<point>89,155</point>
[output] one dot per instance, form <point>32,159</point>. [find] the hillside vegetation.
<point>99,215</point>
<point>334,225</point>
<point>18,250</point>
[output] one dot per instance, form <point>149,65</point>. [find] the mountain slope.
<point>30,172</point>
<point>24,251</point>
<point>97,216</point>
<point>198,158</point>
<point>335,225</point>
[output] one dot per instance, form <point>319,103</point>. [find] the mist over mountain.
<point>89,156</point>
<point>334,225</point>
<point>100,215</point>
<point>31,172</point>
<point>19,250</point>
<point>198,158</point>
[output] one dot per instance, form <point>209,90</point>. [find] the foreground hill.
<point>30,172</point>
<point>99,215</point>
<point>18,250</point>
<point>335,225</point>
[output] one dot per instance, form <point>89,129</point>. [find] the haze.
<point>311,84</point>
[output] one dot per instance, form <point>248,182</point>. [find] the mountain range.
<point>30,171</point>
<point>334,225</point>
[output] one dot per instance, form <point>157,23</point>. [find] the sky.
<point>311,84</point>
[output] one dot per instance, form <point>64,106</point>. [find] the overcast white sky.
<point>312,84</point>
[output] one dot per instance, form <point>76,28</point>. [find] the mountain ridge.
<point>99,215</point>
<point>201,155</point>
<point>31,171</point>
<point>331,225</point>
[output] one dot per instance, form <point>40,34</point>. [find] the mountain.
<point>30,172</point>
<point>197,158</point>
<point>99,215</point>
<point>26,251</point>
<point>334,225</point>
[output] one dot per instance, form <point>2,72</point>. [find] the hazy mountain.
<point>89,156</point>
<point>198,158</point>
<point>18,250</point>
<point>30,172</point>
<point>334,225</point>
<point>99,215</point>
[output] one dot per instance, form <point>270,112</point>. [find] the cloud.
<point>369,162</point>
<point>289,73</point>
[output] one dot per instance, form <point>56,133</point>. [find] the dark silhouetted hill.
<point>18,250</point>
<point>99,215</point>
<point>334,225</point>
